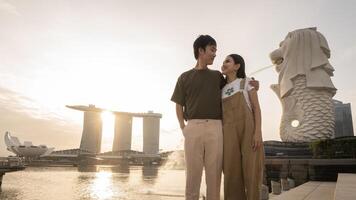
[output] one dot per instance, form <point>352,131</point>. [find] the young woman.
<point>243,147</point>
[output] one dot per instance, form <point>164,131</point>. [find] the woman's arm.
<point>256,110</point>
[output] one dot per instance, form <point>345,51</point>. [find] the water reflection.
<point>122,173</point>
<point>149,174</point>
<point>123,169</point>
<point>102,187</point>
<point>93,183</point>
<point>88,168</point>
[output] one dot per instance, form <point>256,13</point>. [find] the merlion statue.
<point>304,86</point>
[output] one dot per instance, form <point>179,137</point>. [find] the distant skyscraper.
<point>151,135</point>
<point>343,119</point>
<point>123,133</point>
<point>92,131</point>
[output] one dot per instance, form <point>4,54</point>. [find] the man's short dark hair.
<point>202,42</point>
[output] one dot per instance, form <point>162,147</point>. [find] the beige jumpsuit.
<point>242,167</point>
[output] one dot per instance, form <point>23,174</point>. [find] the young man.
<point>198,100</point>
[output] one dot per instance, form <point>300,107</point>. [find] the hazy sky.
<point>127,55</point>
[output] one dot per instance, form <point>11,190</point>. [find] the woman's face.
<point>229,66</point>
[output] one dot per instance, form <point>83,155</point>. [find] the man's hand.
<point>179,112</point>
<point>255,84</point>
<point>182,125</point>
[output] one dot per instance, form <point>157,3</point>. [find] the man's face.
<point>208,55</point>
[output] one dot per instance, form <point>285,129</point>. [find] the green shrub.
<point>344,147</point>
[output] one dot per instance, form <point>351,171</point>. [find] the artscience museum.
<point>26,149</point>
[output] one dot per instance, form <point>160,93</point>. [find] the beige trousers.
<point>203,147</point>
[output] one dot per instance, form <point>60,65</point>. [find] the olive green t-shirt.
<point>199,92</point>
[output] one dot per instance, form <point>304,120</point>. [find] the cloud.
<point>13,100</point>
<point>17,102</point>
<point>9,8</point>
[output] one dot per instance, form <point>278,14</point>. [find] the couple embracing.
<point>220,118</point>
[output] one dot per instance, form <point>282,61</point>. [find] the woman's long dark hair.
<point>239,60</point>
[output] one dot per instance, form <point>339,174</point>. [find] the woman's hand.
<point>257,141</point>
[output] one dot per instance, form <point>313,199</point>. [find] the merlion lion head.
<point>303,52</point>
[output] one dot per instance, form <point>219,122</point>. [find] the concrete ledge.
<point>312,190</point>
<point>345,187</point>
<point>348,161</point>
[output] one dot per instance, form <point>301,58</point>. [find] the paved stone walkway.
<point>312,190</point>
<point>343,189</point>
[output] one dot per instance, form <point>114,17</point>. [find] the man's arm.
<point>180,115</point>
<point>179,98</point>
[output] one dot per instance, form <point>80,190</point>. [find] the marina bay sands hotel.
<point>92,130</point>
